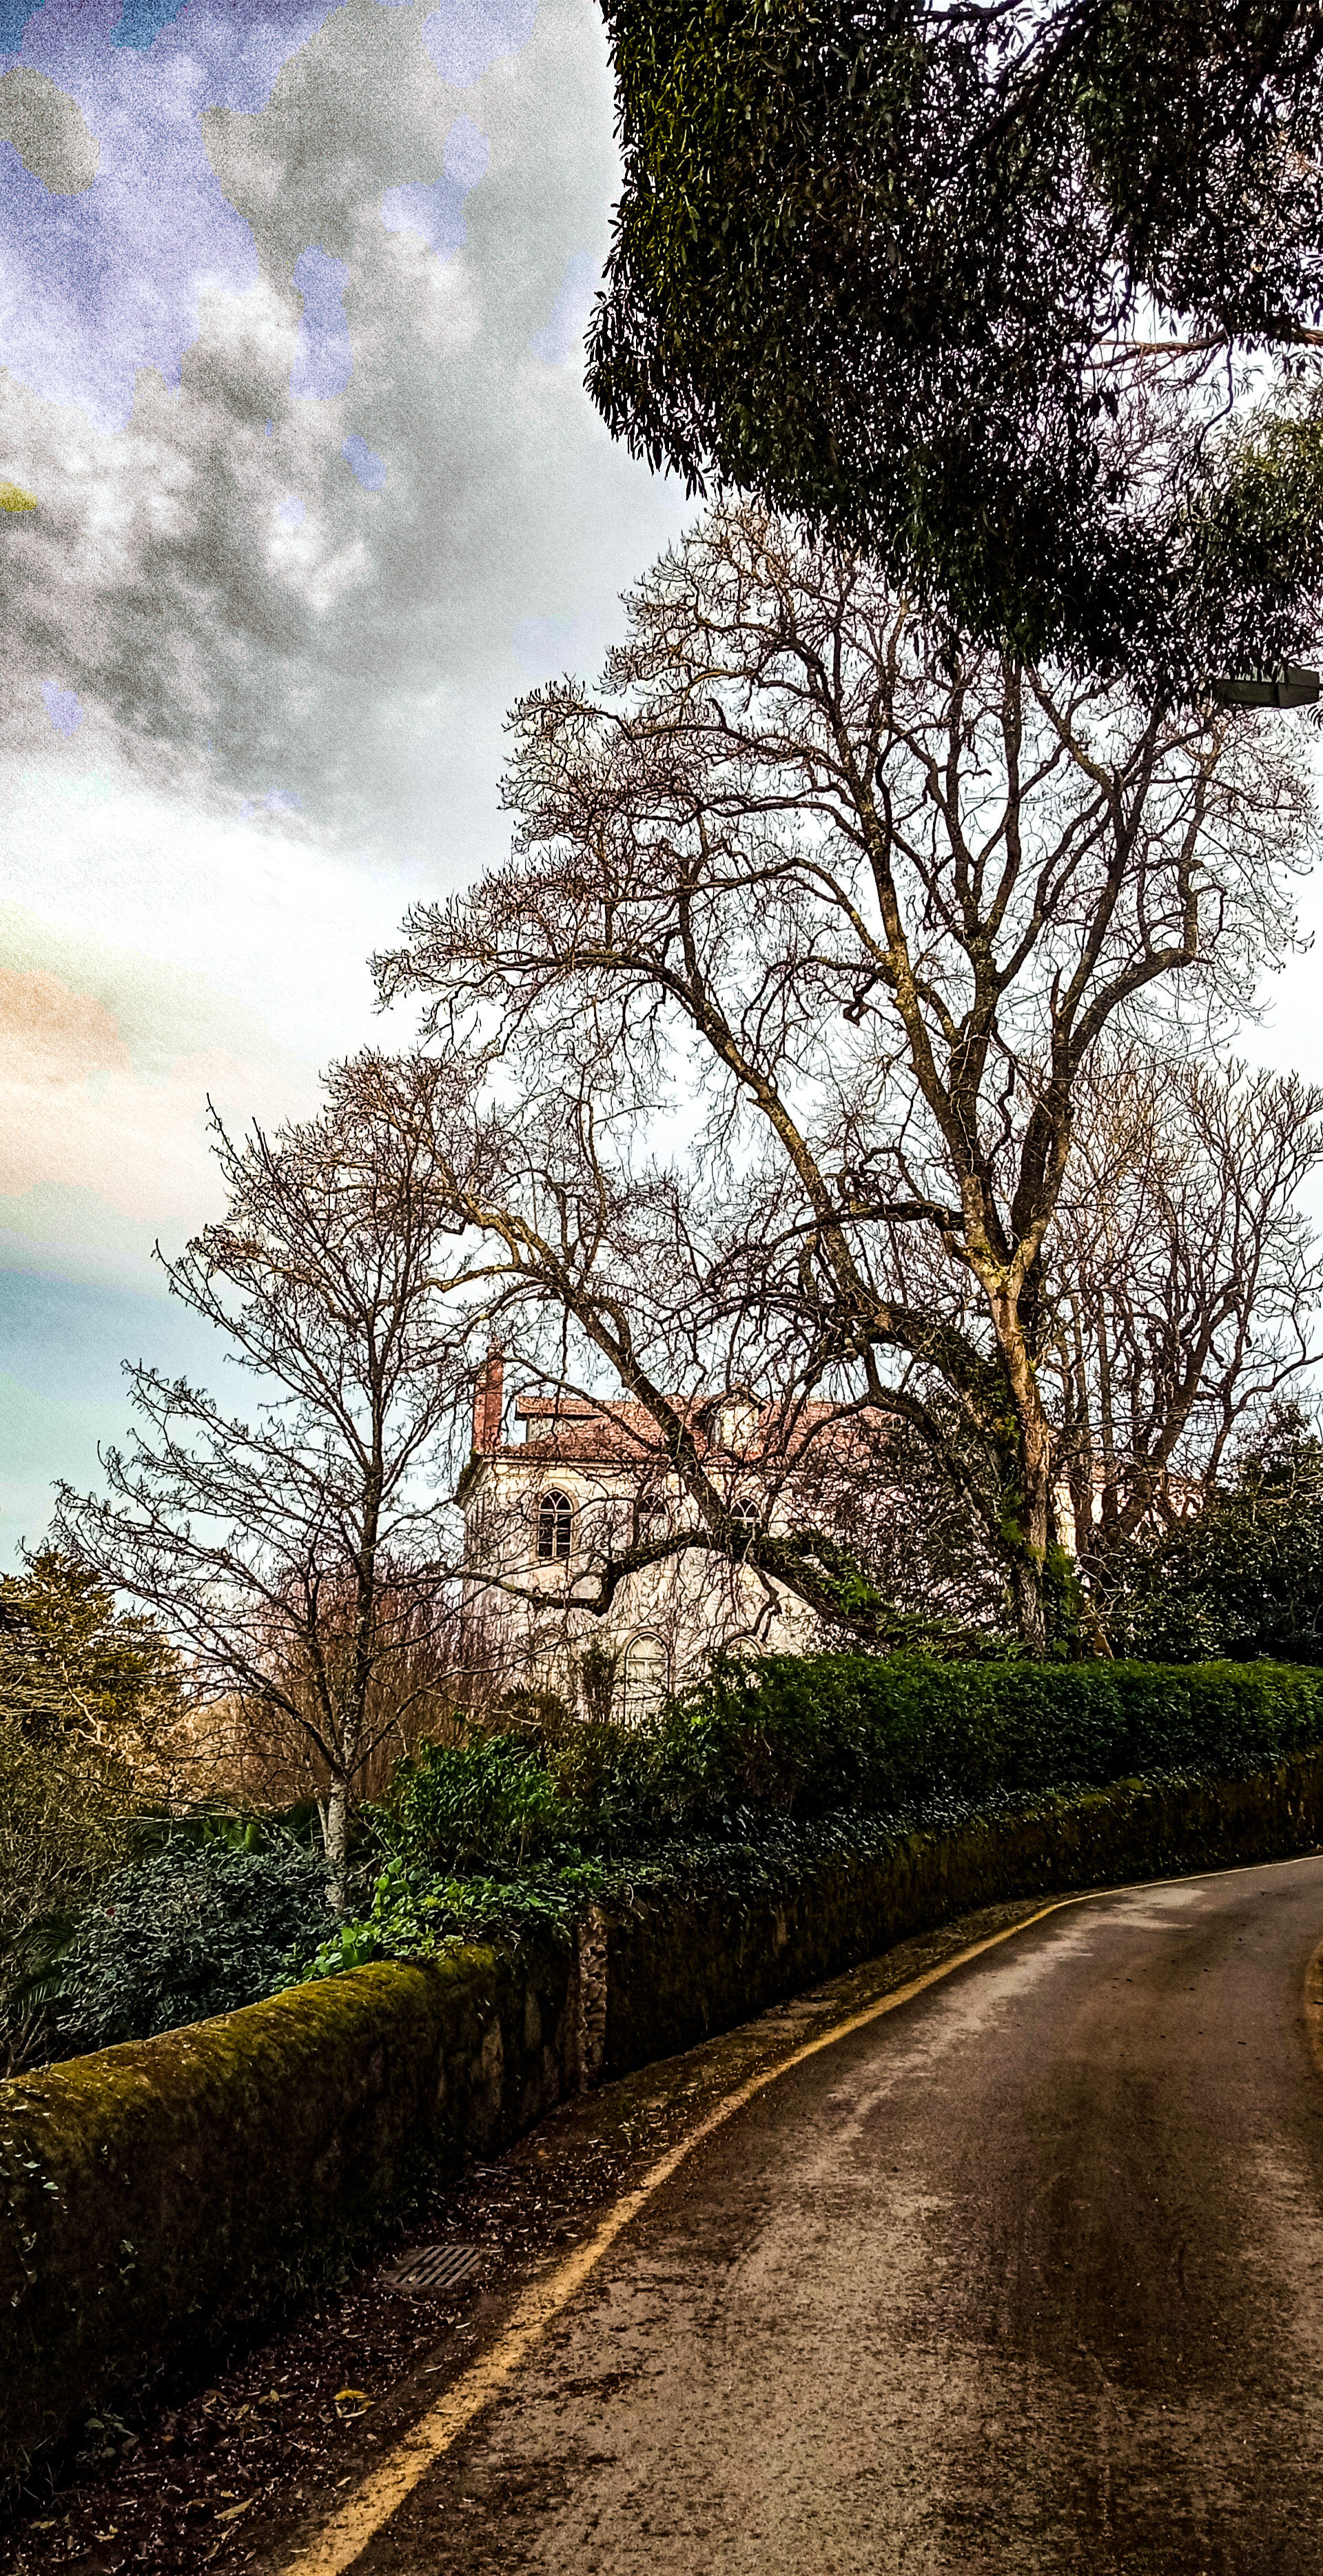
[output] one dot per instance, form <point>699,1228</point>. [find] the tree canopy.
<point>1024,300</point>
<point>873,914</point>
<point>71,1665</point>
<point>1243,1576</point>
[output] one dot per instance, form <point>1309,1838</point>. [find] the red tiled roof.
<point>622,1432</point>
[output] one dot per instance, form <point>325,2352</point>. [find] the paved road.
<point>1027,2276</point>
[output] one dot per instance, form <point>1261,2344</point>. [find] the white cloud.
<point>284,727</point>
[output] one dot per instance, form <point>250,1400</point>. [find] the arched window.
<point>555,1526</point>
<point>643,1678</point>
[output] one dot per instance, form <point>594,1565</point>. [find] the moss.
<point>168,2191</point>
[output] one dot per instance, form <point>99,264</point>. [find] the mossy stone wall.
<point>159,2195</point>
<point>678,1971</point>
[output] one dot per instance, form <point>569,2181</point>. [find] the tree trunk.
<point>335,1837</point>
<point>1028,1533</point>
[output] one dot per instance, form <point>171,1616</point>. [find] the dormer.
<point>730,1420</point>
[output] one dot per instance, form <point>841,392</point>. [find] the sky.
<point>292,299</point>
<point>299,490</point>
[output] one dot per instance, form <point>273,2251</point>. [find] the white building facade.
<point>543,1510</point>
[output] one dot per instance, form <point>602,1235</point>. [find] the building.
<point>542,1511</point>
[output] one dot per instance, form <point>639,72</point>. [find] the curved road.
<point>1027,2275</point>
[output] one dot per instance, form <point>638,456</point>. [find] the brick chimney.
<point>489,1403</point>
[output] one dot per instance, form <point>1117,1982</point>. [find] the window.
<point>555,1526</point>
<point>643,1678</point>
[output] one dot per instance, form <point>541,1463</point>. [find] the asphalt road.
<point>1026,2276</point>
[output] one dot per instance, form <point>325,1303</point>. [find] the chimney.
<point>489,1402</point>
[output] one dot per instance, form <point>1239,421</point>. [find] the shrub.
<point>492,1801</point>
<point>1242,1577</point>
<point>199,1928</point>
<point>414,1910</point>
<point>789,1761</point>
<point>67,1819</point>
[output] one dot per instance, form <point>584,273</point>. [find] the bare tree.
<point>1186,1284</point>
<point>1187,1291</point>
<point>877,915</point>
<point>298,1553</point>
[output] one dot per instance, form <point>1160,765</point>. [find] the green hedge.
<point>683,1963</point>
<point>905,1734</point>
<point>772,1768</point>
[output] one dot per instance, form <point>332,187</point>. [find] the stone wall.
<point>677,1971</point>
<point>157,2196</point>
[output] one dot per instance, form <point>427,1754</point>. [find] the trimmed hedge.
<point>682,1967</point>
<point>773,1769</point>
<point>899,1735</point>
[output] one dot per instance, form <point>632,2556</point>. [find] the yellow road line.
<point>346,2535</point>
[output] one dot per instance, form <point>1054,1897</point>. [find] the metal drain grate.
<point>435,2267</point>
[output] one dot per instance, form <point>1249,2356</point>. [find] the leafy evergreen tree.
<point>85,1690</point>
<point>71,1665</point>
<point>980,289</point>
<point>1243,1577</point>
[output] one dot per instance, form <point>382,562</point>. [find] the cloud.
<point>107,1058</point>
<point>197,930</point>
<point>100,285</point>
<point>436,213</point>
<point>466,37</point>
<point>325,360</point>
<point>343,679</point>
<point>362,660</point>
<point>48,131</point>
<point>291,512</point>
<point>97,285</point>
<point>71,1102</point>
<point>546,645</point>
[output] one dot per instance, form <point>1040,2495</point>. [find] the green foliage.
<point>489,1802</point>
<point>71,1664</point>
<point>867,265</point>
<point>1244,1577</point>
<point>67,1818</point>
<point>598,1672</point>
<point>782,1764</point>
<point>413,1911</point>
<point>200,1928</point>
